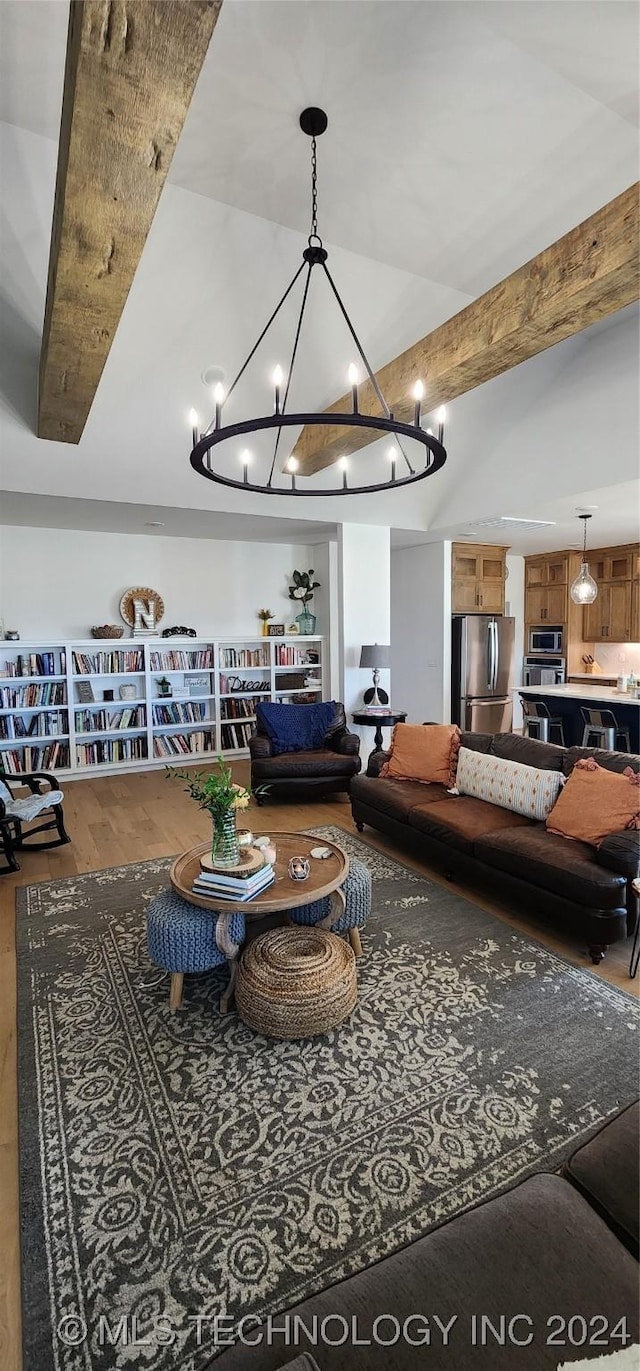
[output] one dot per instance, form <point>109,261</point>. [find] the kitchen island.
<point>565,701</point>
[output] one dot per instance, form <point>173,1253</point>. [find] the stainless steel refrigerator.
<point>482,668</point>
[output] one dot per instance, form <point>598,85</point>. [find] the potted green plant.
<point>302,590</point>
<point>164,686</point>
<point>218,793</point>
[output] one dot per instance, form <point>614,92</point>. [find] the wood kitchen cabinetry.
<point>546,589</point>
<point>478,577</point>
<point>614,616</point>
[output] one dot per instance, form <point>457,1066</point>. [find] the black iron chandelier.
<point>205,456</point>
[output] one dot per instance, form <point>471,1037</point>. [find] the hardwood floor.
<point>121,819</point>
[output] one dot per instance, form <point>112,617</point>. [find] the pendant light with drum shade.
<point>584,589</point>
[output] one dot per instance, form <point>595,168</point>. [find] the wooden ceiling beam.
<point>591,272</point>
<point>131,69</point>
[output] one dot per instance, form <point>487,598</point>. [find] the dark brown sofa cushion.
<point>463,821</point>
<point>557,864</point>
<point>606,1170</point>
<point>529,751</point>
<point>538,1251</point>
<point>318,762</point>
<point>611,761</point>
<point>396,798</point>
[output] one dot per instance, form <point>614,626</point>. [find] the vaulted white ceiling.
<point>463,138</point>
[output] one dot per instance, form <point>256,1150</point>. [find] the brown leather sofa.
<point>565,882</point>
<point>554,1260</point>
<point>297,775</point>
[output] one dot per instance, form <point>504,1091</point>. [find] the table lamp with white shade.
<point>377,656</point>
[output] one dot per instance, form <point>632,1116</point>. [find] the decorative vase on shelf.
<point>225,849</point>
<point>306,622</point>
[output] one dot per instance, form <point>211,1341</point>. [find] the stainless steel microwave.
<point>545,640</point>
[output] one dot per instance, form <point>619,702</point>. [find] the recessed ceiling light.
<point>212,375</point>
<point>155,523</point>
<point>582,509</point>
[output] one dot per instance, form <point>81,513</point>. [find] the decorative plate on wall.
<point>148,596</point>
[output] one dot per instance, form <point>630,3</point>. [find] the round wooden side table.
<point>365,719</point>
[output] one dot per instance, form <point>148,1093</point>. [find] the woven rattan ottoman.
<point>296,982</point>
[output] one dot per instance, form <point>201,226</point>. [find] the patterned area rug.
<point>180,1166</point>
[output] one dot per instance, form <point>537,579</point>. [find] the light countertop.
<point>575,691</point>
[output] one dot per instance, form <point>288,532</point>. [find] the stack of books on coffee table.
<point>235,886</point>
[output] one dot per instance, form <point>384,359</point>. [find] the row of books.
<point>244,656</point>
<point>218,886</point>
<point>236,735</point>
<point>107,663</point>
<point>54,755</point>
<point>97,720</point>
<point>111,750</point>
<point>179,713</point>
<point>291,656</point>
<point>242,708</point>
<point>54,693</point>
<point>180,660</point>
<point>181,744</point>
<point>227,684</point>
<point>37,664</point>
<point>35,725</point>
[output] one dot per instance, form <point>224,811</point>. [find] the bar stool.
<point>602,725</point>
<point>538,722</point>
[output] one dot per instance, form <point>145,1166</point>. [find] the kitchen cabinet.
<point>546,590</point>
<point>478,574</point>
<point>608,619</point>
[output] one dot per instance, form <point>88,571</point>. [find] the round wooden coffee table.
<point>325,878</point>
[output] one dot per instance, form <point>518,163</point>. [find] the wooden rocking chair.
<point>16,811</point>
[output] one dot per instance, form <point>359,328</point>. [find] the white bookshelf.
<point>224,679</point>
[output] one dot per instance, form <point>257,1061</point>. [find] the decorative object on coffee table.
<point>296,983</point>
<point>107,631</point>
<point>217,792</point>
<point>299,868</point>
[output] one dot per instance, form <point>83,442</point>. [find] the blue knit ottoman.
<point>357,906</point>
<point>182,938</point>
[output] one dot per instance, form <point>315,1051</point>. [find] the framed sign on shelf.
<point>276,630</point>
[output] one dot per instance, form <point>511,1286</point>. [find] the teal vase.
<point>306,622</point>
<point>225,849</point>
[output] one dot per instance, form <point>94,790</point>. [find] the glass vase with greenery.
<point>302,591</point>
<point>219,794</point>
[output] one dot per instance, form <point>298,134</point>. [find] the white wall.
<point>364,576</point>
<point>421,631</point>
<point>58,582</point>
<point>514,605</point>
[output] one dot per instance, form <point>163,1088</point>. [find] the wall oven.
<point>539,671</point>
<point>546,640</point>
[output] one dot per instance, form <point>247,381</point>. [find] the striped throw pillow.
<point>511,785</point>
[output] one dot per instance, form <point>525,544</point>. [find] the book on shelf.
<point>236,735</point>
<point>207,884</point>
<point>38,725</point>
<point>244,657</point>
<point>34,664</point>
<point>182,744</point>
<point>99,720</point>
<point>190,713</point>
<point>120,662</point>
<point>25,697</point>
<point>105,750</point>
<point>28,758</point>
<point>178,659</point>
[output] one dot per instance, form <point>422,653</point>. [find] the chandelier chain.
<point>314,192</point>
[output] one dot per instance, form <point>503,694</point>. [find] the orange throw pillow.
<point>595,803</point>
<point>424,752</point>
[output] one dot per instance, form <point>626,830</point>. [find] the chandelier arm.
<point>291,364</point>
<point>254,349</point>
<point>357,342</point>
<point>364,358</point>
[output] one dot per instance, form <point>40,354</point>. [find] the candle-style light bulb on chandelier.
<point>402,471</point>
<point>584,589</point>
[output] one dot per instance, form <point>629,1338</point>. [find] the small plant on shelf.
<point>264,616</point>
